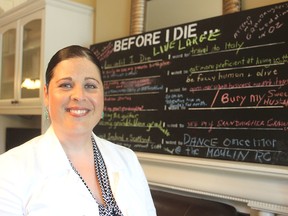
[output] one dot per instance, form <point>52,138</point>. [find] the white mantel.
<point>248,186</point>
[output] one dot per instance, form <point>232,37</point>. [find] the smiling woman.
<point>92,175</point>
<point>78,95</point>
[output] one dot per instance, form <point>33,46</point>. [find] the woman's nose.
<point>78,94</point>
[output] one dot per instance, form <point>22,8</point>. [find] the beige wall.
<point>165,13</point>
<point>112,17</point>
<point>162,13</point>
<point>249,4</point>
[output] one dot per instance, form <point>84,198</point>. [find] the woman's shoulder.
<point>18,164</point>
<point>18,157</point>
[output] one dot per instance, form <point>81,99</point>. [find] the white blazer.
<point>36,179</point>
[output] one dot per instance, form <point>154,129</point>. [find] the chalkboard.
<point>215,88</point>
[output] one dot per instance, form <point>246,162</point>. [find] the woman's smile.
<point>78,112</point>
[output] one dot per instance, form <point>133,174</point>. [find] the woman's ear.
<point>46,95</point>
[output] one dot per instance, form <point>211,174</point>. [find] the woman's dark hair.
<point>67,53</point>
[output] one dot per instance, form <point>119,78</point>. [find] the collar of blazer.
<point>52,158</point>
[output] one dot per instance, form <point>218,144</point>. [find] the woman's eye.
<point>65,85</point>
<point>90,86</point>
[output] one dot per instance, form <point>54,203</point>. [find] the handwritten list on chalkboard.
<point>216,88</point>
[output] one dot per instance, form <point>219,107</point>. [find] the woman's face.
<point>75,96</point>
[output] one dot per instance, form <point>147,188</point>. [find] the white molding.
<point>253,168</point>
<point>268,207</point>
<point>70,5</point>
<point>197,192</point>
<point>257,186</point>
<point>24,110</point>
<point>30,7</point>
